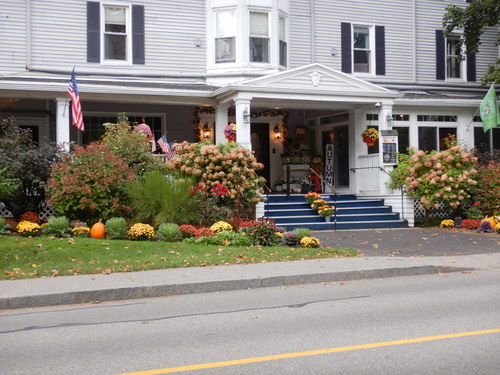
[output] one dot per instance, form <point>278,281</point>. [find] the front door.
<point>260,146</point>
<point>338,136</point>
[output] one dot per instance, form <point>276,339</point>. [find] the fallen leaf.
<point>466,271</point>
<point>54,272</point>
<point>95,302</point>
<point>375,246</point>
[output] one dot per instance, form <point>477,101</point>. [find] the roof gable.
<point>317,78</point>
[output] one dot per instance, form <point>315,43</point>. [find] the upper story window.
<point>283,40</point>
<point>361,49</point>
<point>116,39</point>
<point>259,37</point>
<point>225,36</point>
<point>115,34</point>
<point>454,67</point>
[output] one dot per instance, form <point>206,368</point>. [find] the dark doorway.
<point>260,146</point>
<point>341,158</point>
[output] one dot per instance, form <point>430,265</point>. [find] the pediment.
<point>317,78</point>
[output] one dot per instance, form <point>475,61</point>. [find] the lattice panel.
<point>4,212</point>
<point>46,212</point>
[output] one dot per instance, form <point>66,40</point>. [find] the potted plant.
<point>370,136</point>
<point>326,211</point>
<point>312,196</point>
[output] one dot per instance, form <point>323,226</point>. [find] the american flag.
<point>153,143</point>
<point>76,108</point>
<point>165,147</point>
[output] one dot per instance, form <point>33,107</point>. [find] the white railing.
<point>368,173</point>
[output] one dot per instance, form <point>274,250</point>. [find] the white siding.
<point>171,28</point>
<point>12,36</point>
<point>300,33</point>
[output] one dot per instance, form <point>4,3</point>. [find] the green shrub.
<point>302,232</point>
<point>224,238</point>
<point>90,184</point>
<point>488,187</point>
<point>264,233</point>
<point>57,226</point>
<point>116,227</point>
<point>4,228</point>
<point>158,198</point>
<point>168,232</point>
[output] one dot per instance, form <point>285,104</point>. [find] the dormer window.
<point>259,37</point>
<point>225,36</point>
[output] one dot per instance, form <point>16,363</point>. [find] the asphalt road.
<point>412,241</point>
<point>294,323</point>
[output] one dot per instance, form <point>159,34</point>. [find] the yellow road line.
<point>309,353</point>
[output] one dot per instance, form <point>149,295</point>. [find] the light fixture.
<point>246,116</point>
<point>207,133</point>
<point>389,118</point>
<point>278,134</point>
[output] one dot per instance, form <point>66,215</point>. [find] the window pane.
<point>361,37</point>
<point>362,61</point>
<point>116,15</point>
<point>403,139</point>
<point>283,53</point>
<point>224,50</point>
<point>445,133</point>
<point>115,47</point>
<point>282,30</point>
<point>258,24</point>
<point>259,50</point>
<point>427,138</point>
<point>453,66</point>
<point>225,23</point>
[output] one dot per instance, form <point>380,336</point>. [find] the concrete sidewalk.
<point>120,286</point>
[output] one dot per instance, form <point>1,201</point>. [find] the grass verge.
<point>23,257</point>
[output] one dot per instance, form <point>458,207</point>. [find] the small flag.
<point>153,143</point>
<point>76,108</point>
<point>165,147</point>
<point>488,110</point>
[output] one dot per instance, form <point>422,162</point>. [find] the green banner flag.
<point>488,110</point>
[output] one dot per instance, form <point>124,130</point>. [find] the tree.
<point>474,20</point>
<point>27,163</point>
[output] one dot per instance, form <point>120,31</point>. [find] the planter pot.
<point>328,218</point>
<point>370,144</point>
<point>278,188</point>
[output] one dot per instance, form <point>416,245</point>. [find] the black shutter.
<point>380,50</point>
<point>440,55</point>
<point>93,31</point>
<point>346,41</point>
<point>138,56</point>
<point>471,67</point>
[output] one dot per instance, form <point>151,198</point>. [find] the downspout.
<point>28,35</point>
<point>313,29</point>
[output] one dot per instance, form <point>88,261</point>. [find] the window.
<point>225,36</point>
<point>488,141</point>
<point>117,36</point>
<point>447,66</point>
<point>403,138</point>
<point>454,67</point>
<point>433,138</point>
<point>115,33</point>
<point>259,37</point>
<point>94,128</point>
<point>361,49</point>
<point>282,36</point>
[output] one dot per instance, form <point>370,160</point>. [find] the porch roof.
<point>310,86</point>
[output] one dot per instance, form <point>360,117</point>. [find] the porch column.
<point>385,122</point>
<point>243,122</point>
<point>221,121</point>
<point>63,109</point>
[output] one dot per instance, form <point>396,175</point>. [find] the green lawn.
<point>23,257</point>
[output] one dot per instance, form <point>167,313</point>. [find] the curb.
<point>146,290</point>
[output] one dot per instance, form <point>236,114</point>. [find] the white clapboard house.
<point>320,70</point>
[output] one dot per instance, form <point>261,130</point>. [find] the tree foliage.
<point>474,20</point>
<point>27,163</point>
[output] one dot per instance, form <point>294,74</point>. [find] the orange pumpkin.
<point>97,230</point>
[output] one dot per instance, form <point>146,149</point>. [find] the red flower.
<point>475,204</point>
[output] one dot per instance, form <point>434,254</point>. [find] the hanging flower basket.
<point>370,136</point>
<point>230,132</point>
